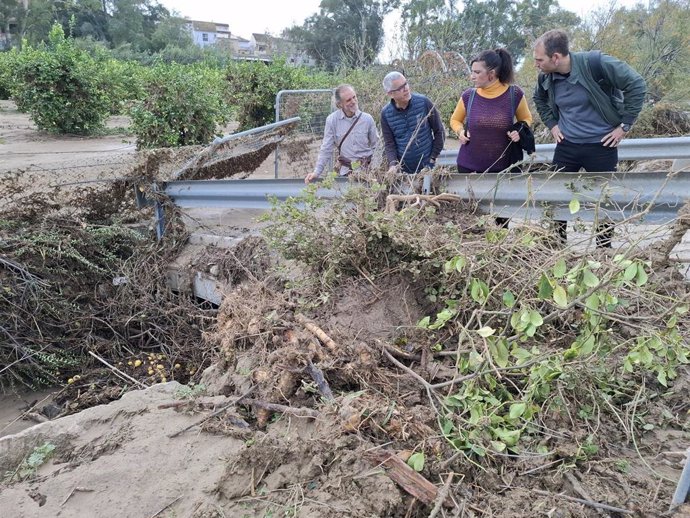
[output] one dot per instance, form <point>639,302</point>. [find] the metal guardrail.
<point>654,197</point>
<point>629,149</point>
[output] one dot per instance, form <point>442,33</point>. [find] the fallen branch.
<point>407,478</point>
<point>590,503</point>
<point>77,488</point>
<point>320,380</point>
<point>392,200</point>
<point>442,496</point>
<point>213,414</point>
<point>274,407</point>
<point>317,332</point>
<point>118,371</point>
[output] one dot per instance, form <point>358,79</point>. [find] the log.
<point>407,478</point>
<point>317,332</point>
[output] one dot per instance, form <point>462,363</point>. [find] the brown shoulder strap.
<point>348,132</point>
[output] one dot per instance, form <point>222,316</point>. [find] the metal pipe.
<point>681,494</point>
<point>629,149</point>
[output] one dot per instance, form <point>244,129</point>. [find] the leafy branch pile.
<point>70,287</point>
<point>460,345</point>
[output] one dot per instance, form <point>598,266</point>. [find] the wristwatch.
<point>625,127</point>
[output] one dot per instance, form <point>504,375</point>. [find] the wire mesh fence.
<point>296,154</point>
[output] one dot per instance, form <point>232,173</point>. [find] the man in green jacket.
<point>588,116</point>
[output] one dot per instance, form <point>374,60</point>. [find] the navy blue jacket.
<point>413,136</point>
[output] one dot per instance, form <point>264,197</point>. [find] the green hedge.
<point>183,105</point>
<point>61,87</point>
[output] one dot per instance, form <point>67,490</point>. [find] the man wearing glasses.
<point>411,126</point>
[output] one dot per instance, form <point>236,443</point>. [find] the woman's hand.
<point>464,136</point>
<point>514,136</point>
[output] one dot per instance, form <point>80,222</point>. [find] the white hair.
<point>388,80</point>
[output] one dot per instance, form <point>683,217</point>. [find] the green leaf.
<point>424,323</point>
<point>545,288</point>
<point>630,272</point>
<point>661,377</point>
<point>592,302</point>
<point>559,268</point>
<point>486,331</point>
<point>590,280</point>
<point>535,318</point>
<point>510,437</point>
<point>416,461</point>
<point>499,352</point>
<point>498,446</point>
<point>574,206</point>
<point>641,275</point>
<point>508,299</point>
<point>559,296</point>
<point>516,410</point>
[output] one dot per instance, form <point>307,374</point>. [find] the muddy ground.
<point>172,450</point>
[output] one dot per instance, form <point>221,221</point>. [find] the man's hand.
<point>613,139</point>
<point>392,169</point>
<point>557,135</point>
<point>310,178</point>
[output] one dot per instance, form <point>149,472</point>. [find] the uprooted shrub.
<point>521,336</point>
<point>61,87</point>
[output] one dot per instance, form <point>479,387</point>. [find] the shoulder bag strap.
<point>469,107</point>
<point>348,131</point>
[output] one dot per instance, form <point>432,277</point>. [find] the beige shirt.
<point>360,143</point>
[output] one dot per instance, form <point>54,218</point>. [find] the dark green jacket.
<point>614,111</point>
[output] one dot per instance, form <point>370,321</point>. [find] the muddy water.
<point>15,406</point>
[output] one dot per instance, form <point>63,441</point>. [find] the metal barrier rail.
<point>629,149</point>
<point>652,196</point>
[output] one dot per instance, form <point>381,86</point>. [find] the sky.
<point>260,16</point>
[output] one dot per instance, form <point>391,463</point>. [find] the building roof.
<point>202,26</point>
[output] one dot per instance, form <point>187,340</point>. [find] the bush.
<point>183,105</point>
<point>60,86</point>
<point>6,80</point>
<point>253,89</point>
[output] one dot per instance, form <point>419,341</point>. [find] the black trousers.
<point>570,158</point>
<point>501,222</point>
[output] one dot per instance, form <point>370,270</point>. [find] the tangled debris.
<point>475,365</point>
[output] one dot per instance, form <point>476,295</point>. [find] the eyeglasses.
<point>399,89</point>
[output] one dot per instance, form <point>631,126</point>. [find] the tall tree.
<point>344,32</point>
<point>12,13</point>
<point>473,25</point>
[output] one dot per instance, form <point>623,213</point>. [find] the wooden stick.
<point>118,371</point>
<point>77,488</point>
<point>407,478</point>
<point>591,503</point>
<point>442,496</point>
<point>317,332</point>
<point>274,407</point>
<point>213,414</point>
<point>412,373</point>
<point>164,508</point>
<point>321,383</point>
